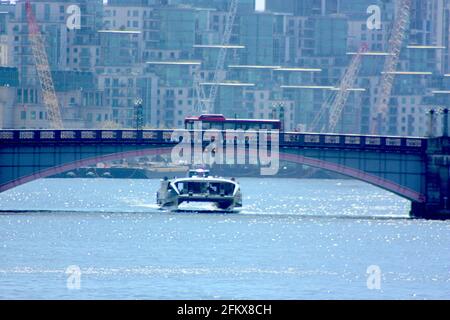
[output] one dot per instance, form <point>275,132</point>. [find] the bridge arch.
<point>290,157</point>
<point>360,175</point>
<point>82,163</point>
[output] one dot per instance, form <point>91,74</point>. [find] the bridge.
<point>414,168</point>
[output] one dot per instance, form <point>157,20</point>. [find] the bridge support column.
<point>437,204</point>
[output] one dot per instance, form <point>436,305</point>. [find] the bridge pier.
<point>437,182</point>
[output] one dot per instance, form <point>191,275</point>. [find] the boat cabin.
<point>213,188</point>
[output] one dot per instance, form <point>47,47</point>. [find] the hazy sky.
<point>260,4</point>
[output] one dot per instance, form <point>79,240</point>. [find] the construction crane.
<point>390,65</point>
<point>43,70</point>
<point>205,103</point>
<point>219,72</point>
<point>200,106</point>
<point>336,101</point>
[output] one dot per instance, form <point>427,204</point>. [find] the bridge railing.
<point>287,139</point>
<point>23,136</point>
<point>354,141</point>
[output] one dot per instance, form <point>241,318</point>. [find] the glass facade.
<point>330,36</point>
<point>177,29</point>
<point>119,48</point>
<point>257,34</point>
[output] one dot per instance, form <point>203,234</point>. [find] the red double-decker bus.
<point>219,122</point>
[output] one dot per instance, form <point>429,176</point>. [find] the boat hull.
<point>223,194</point>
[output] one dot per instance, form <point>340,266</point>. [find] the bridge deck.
<point>151,137</point>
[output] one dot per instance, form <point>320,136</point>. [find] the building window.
<point>25,96</point>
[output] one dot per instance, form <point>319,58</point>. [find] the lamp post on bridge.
<point>431,122</point>
<point>281,113</point>
<point>139,114</point>
<point>443,99</point>
<point>445,122</point>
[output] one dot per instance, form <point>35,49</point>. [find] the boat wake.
<point>204,208</point>
<point>213,211</point>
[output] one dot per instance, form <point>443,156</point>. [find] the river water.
<point>294,239</point>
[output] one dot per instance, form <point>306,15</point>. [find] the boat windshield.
<point>199,173</point>
<point>210,188</point>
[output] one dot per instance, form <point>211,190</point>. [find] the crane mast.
<point>219,72</point>
<point>335,103</point>
<point>43,70</point>
<point>390,65</point>
<point>205,103</point>
<point>200,106</point>
<point>344,90</point>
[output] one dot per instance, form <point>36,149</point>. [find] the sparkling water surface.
<point>294,239</point>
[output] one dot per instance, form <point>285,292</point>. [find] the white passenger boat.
<point>223,194</point>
